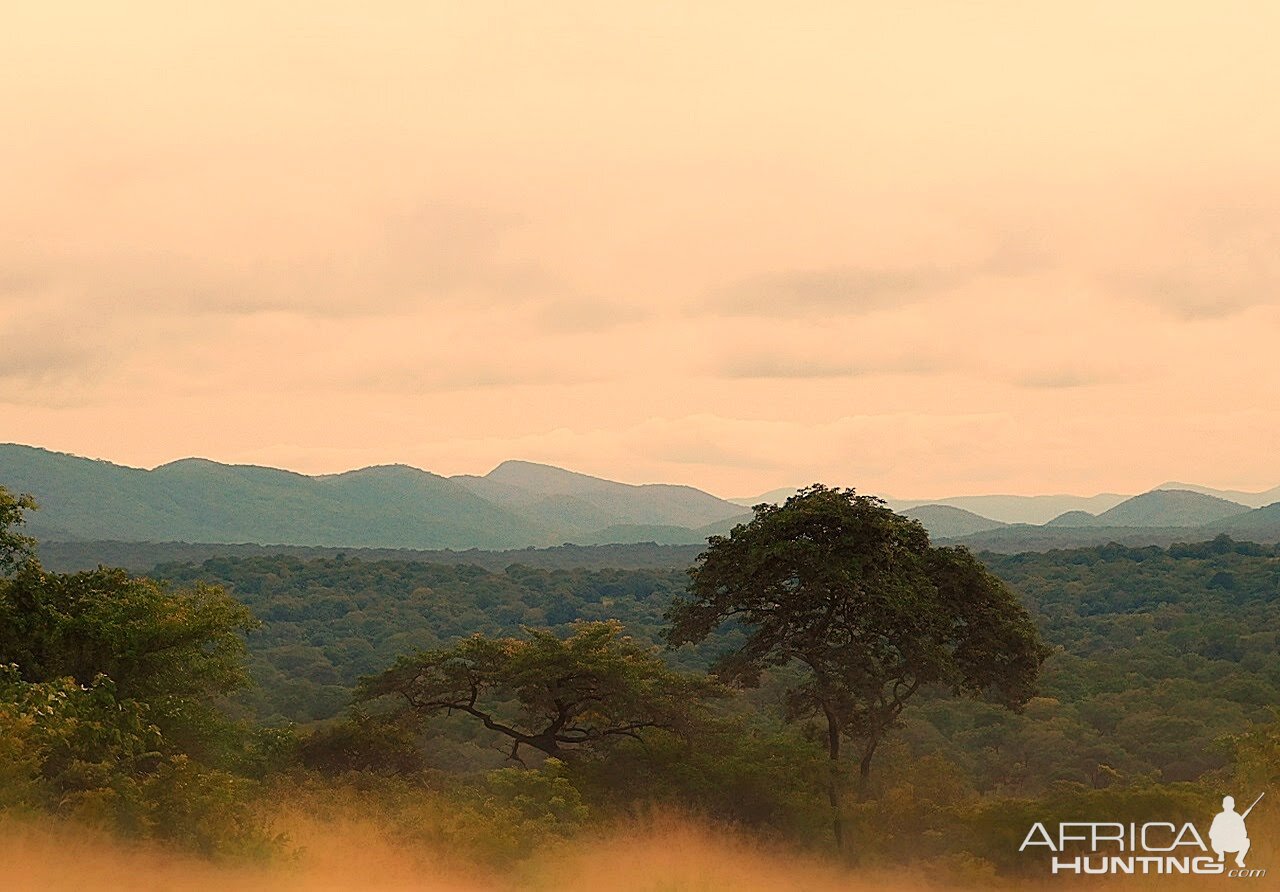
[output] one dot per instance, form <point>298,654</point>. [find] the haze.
<point>923,248</point>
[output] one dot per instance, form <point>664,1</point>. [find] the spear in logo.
<point>1245,814</point>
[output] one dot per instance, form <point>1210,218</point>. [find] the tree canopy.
<point>853,592</point>
<point>155,643</point>
<point>16,549</point>
<point>570,694</point>
<point>110,688</point>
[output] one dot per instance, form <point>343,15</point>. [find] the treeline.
<point>140,557</point>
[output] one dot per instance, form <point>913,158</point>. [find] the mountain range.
<point>517,505</point>
<point>523,504</point>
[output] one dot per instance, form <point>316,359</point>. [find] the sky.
<point>919,248</point>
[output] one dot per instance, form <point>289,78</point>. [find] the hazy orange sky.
<point>921,248</point>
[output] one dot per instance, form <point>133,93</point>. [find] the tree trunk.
<point>864,768</point>
<point>833,779</point>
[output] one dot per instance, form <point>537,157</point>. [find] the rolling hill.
<point>1249,499</point>
<point>195,500</point>
<point>1019,509</point>
<point>1169,508</point>
<point>1074,519</point>
<point>1257,525</point>
<point>522,505</point>
<point>946,521</point>
<point>582,506</point>
<point>1262,524</point>
<point>518,505</point>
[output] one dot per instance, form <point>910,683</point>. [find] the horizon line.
<point>1167,485</point>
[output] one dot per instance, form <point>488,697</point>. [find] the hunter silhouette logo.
<point>1228,833</point>
<point>1156,847</point>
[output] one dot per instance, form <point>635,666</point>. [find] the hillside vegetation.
<point>128,704</point>
<point>522,505</point>
<point>517,505</point>
<point>1158,652</point>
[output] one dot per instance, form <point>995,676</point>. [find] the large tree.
<point>159,645</point>
<point>559,696</point>
<point>854,594</point>
<point>110,694</point>
<point>16,550</point>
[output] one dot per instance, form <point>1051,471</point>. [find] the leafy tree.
<point>559,696</point>
<point>178,651</point>
<point>16,550</point>
<point>1257,754</point>
<point>109,690</point>
<point>854,593</point>
<point>385,746</point>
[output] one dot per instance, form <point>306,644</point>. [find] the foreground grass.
<point>658,853</point>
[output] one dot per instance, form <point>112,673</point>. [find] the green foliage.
<point>1257,754</point>
<point>571,695</point>
<point>843,585</point>
<point>112,689</point>
<point>1159,655</point>
<point>176,651</point>
<point>916,814</point>
<point>328,622</point>
<point>16,549</point>
<point>382,745</point>
<point>86,753</point>
<point>140,557</point>
<point>852,592</point>
<point>511,812</point>
<point>545,797</point>
<point>107,706</point>
<point>152,642</point>
<point>1151,663</point>
<point>752,773</point>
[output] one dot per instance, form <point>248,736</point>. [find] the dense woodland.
<point>1159,688</point>
<point>1158,653</point>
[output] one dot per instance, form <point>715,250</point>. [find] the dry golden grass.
<point>662,853</point>
<point>340,855</point>
<point>666,853</point>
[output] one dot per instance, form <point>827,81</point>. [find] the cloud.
<point>782,367</point>
<point>368,263</point>
<point>843,291</point>
<point>580,315</point>
<point>801,368</point>
<point>1191,296</point>
<point>442,378</point>
<point>51,356</point>
<point>1058,380</point>
<point>1219,259</point>
<point>712,454</point>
